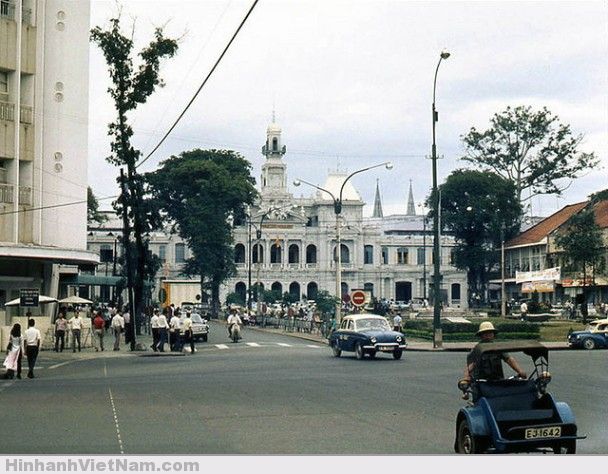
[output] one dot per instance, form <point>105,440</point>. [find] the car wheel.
<point>569,447</point>
<point>359,351</point>
<point>589,344</point>
<point>335,347</point>
<point>467,443</point>
<point>397,354</point>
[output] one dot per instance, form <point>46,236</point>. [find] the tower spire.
<point>377,203</point>
<point>411,206</point>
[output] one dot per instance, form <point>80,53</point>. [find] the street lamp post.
<point>437,336</point>
<point>338,210</point>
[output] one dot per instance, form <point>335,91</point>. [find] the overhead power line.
<point>201,86</point>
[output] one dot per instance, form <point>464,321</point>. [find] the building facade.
<point>44,69</point>
<point>289,244</point>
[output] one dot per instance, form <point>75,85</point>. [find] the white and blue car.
<point>366,334</point>
<point>595,336</point>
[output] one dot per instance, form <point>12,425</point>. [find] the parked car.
<point>366,334</point>
<point>200,327</point>
<point>514,415</point>
<point>594,336</point>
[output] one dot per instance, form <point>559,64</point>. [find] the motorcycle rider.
<point>233,319</point>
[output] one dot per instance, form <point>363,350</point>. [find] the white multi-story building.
<point>44,69</point>
<point>289,244</point>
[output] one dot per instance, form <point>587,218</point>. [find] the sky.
<point>350,82</point>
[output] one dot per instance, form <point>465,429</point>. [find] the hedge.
<point>454,332</point>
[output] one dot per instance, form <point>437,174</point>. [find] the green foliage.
<point>270,296</point>
<point>530,148</point>
<point>454,332</point>
<point>481,210</point>
<point>289,298</point>
<point>581,240</point>
<point>325,301</point>
<point>93,214</point>
<point>234,299</point>
<point>131,87</point>
<point>199,191</point>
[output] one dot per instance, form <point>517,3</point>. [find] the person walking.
<point>155,330</point>
<point>188,335</point>
<point>118,326</point>
<point>397,320</point>
<point>61,326</point>
<point>76,323</point>
<point>32,346</point>
<point>14,352</point>
<point>99,326</point>
<point>174,336</point>
<point>163,327</point>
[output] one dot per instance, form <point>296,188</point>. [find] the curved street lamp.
<point>437,336</point>
<point>338,210</point>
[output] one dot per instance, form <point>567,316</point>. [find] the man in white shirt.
<point>155,331</point>
<point>174,323</point>
<point>76,323</point>
<point>32,346</point>
<point>233,319</point>
<point>118,325</point>
<point>162,332</point>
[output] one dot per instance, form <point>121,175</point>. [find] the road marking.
<point>120,446</point>
<point>282,344</point>
<point>252,344</point>
<point>221,346</point>
<point>313,346</point>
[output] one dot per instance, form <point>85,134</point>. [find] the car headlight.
<point>398,338</point>
<point>373,339</point>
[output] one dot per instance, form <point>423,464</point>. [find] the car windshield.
<point>372,323</point>
<point>196,318</point>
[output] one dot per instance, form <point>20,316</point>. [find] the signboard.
<point>549,274</point>
<point>538,287</point>
<point>29,297</point>
<point>358,298</point>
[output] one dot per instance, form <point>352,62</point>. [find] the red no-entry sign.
<point>358,298</point>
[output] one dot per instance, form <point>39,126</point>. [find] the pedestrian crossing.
<point>259,344</point>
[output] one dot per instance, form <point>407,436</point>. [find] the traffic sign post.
<point>358,298</point>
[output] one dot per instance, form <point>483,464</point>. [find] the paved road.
<point>270,394</point>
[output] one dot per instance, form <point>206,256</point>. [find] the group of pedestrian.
<point>29,344</point>
<point>167,328</point>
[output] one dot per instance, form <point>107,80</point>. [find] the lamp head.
<point>296,182</point>
<point>445,54</point>
<point>389,165</point>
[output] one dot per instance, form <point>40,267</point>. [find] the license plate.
<point>386,348</point>
<point>546,432</point>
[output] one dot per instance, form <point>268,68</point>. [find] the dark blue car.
<point>514,415</point>
<point>594,337</point>
<point>366,334</point>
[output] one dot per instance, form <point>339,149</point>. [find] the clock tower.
<point>274,176</point>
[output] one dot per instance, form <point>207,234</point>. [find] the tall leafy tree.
<point>583,246</point>
<point>94,216</point>
<point>481,210</point>
<point>533,149</point>
<point>131,86</point>
<point>200,191</point>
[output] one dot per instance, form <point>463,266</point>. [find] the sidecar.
<point>514,415</point>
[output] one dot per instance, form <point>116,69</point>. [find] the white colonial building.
<point>44,69</point>
<point>289,244</point>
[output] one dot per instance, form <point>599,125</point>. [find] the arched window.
<point>239,253</point>
<point>455,291</point>
<point>276,286</point>
<point>294,254</point>
<point>368,254</point>
<point>275,254</point>
<point>344,255</point>
<point>275,144</point>
<point>241,289</point>
<point>257,254</point>
<point>344,288</point>
<point>294,289</point>
<point>369,287</point>
<point>311,290</point>
<point>311,254</point>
